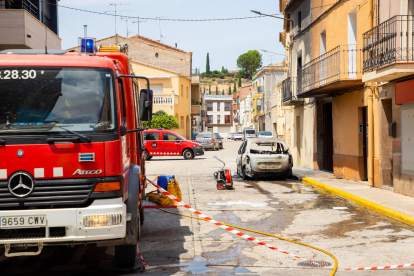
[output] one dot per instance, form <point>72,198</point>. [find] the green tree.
<point>222,92</point>
<point>200,90</point>
<point>239,81</point>
<point>234,88</point>
<point>209,90</point>
<point>224,71</point>
<point>160,112</point>
<point>208,65</point>
<point>250,62</point>
<point>216,90</point>
<point>163,121</point>
<point>229,89</point>
<point>204,90</point>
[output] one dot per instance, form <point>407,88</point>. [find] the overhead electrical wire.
<point>164,19</point>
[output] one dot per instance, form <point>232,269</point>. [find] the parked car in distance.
<point>238,136</point>
<point>264,157</point>
<point>249,133</point>
<point>220,140</point>
<point>230,135</point>
<point>162,142</point>
<point>265,134</point>
<point>208,140</point>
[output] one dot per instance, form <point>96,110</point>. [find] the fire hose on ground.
<point>231,229</point>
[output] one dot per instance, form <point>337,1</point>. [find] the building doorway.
<point>298,132</point>
<point>365,142</point>
<point>327,137</point>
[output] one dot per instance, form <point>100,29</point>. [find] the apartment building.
<point>169,70</point>
<point>300,123</point>
<point>219,113</point>
<point>264,85</point>
<point>28,24</point>
<point>388,66</point>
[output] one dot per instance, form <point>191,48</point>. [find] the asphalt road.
<point>174,245</point>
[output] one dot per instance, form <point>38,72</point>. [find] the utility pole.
<point>138,23</point>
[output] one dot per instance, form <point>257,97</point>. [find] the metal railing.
<point>165,100</point>
<point>390,42</point>
<point>23,5</point>
<point>341,63</point>
<point>288,86</point>
<point>195,72</point>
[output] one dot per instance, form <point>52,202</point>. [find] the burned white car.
<point>264,157</point>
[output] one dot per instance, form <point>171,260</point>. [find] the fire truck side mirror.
<point>123,130</point>
<point>145,105</point>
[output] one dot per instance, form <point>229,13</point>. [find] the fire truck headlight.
<point>103,221</point>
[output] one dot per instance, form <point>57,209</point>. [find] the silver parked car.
<point>238,136</point>
<point>265,134</point>
<point>264,157</point>
<point>208,140</point>
<point>230,135</point>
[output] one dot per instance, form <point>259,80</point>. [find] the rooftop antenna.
<point>114,4</point>
<point>159,23</point>
<point>138,23</point>
<point>126,21</point>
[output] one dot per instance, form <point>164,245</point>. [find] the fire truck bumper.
<point>104,219</point>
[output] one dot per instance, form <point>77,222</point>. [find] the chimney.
<point>176,45</point>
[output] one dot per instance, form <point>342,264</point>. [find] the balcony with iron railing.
<point>289,92</point>
<point>23,5</point>
<point>332,73</point>
<point>165,99</point>
<point>388,52</point>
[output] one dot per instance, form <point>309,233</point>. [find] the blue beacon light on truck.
<point>87,45</point>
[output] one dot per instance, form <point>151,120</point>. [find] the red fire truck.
<point>71,150</point>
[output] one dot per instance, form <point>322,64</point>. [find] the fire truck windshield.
<point>38,99</point>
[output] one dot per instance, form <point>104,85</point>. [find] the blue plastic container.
<point>163,181</point>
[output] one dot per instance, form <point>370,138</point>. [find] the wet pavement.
<point>174,245</point>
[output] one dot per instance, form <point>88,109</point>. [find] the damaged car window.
<point>267,148</point>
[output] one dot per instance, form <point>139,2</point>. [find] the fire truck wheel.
<point>188,154</point>
<point>220,186</point>
<point>125,255</point>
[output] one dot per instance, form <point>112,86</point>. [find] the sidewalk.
<point>394,205</point>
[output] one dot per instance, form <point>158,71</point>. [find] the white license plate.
<point>22,221</point>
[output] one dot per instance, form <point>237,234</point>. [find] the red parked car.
<point>161,142</point>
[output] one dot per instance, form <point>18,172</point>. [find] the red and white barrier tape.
<point>380,267</point>
<point>221,225</point>
<point>142,259</point>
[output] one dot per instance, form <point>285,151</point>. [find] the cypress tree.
<point>216,90</point>
<point>208,65</point>
<point>239,81</point>
<point>229,89</point>
<point>234,88</point>
<point>222,92</point>
<point>204,90</point>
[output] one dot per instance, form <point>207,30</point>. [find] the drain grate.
<point>314,264</point>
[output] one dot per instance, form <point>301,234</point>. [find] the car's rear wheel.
<point>188,154</point>
<point>221,146</point>
<point>147,156</point>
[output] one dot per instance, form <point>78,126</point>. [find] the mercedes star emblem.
<point>21,184</point>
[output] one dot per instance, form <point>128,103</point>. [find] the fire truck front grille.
<point>49,193</point>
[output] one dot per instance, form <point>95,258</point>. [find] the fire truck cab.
<point>71,150</point>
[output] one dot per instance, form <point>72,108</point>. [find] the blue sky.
<point>224,40</point>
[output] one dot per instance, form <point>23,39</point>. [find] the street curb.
<point>363,202</point>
